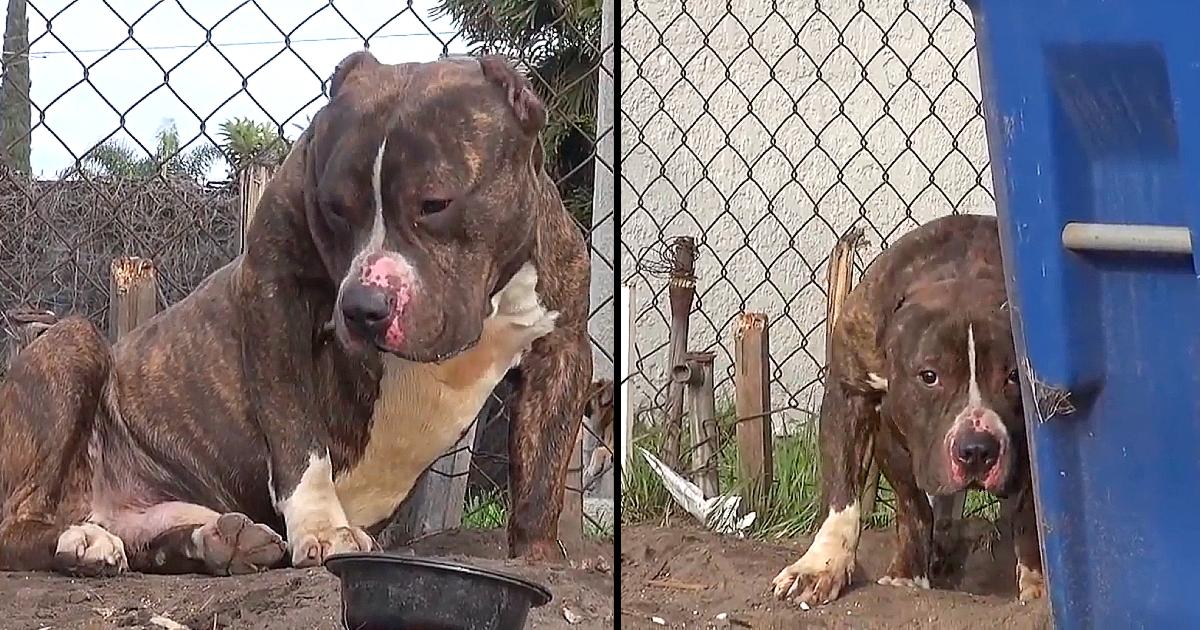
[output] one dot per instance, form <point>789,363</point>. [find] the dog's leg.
<point>177,537</point>
<point>48,406</point>
<point>821,574</point>
<point>947,519</point>
<point>549,411</point>
<point>291,416</point>
<point>1031,583</point>
<point>914,515</point>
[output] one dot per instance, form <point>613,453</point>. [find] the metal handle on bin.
<point>1112,237</point>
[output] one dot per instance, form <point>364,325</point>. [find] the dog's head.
<point>423,184</point>
<point>953,388</point>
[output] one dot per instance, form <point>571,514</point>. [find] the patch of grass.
<point>489,510</point>
<point>788,508</point>
<point>485,511</point>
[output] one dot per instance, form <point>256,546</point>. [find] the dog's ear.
<point>524,101</point>
<point>351,66</point>
<point>340,140</point>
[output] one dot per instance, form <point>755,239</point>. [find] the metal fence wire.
<point>765,130</point>
<point>143,115</point>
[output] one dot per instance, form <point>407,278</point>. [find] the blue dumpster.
<point>1093,112</point>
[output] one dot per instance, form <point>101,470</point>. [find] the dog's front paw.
<point>1031,584</point>
<point>90,550</point>
<point>816,578</point>
<point>312,547</point>
<point>541,327</point>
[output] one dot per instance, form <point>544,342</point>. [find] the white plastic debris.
<point>571,616</point>
<point>719,513</point>
<point>659,621</point>
<point>803,605</point>
<point>722,616</point>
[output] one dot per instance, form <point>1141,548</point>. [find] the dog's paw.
<point>542,326</point>
<point>90,550</point>
<point>236,545</point>
<point>311,548</point>
<point>920,582</point>
<point>519,295</point>
<point>815,578</point>
<point>1031,584</point>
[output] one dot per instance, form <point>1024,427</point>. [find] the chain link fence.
<point>766,130</point>
<point>127,126</point>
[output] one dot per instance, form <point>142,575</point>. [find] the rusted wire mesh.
<point>765,130</point>
<point>89,174</point>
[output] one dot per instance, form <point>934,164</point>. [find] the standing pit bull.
<point>414,221</point>
<point>922,360</point>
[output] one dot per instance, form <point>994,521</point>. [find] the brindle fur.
<point>241,378</point>
<point>952,262</point>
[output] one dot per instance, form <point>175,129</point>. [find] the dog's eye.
<point>1013,377</point>
<point>929,377</point>
<point>434,206</point>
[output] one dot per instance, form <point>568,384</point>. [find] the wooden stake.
<point>752,391</point>
<point>697,374</point>
<point>133,294</point>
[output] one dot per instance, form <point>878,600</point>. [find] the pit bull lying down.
<point>409,251</point>
<point>922,361</point>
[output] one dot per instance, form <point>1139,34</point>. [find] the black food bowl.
<point>389,592</point>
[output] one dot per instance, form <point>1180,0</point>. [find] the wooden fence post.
<point>681,291</point>
<point>436,502</point>
<point>570,520</point>
<point>697,374</point>
<point>252,181</point>
<point>133,294</point>
<point>752,397</point>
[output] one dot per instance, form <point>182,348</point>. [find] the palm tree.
<point>557,44</point>
<point>15,108</point>
<point>118,159</point>
<point>247,141</point>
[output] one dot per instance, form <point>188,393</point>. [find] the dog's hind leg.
<point>48,406</point>
<point>177,537</point>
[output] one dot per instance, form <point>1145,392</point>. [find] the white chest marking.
<point>423,409</point>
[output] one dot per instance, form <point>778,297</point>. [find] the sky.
<point>90,39</point>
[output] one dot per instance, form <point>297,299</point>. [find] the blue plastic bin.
<point>1093,111</point>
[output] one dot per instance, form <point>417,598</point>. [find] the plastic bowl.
<point>389,592</point>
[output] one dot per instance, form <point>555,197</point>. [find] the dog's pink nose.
<point>977,451</point>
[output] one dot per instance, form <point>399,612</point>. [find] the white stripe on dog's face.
<point>375,239</point>
<point>990,420</point>
<point>974,398</point>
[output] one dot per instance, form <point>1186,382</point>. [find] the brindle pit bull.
<point>232,432</point>
<point>923,360</point>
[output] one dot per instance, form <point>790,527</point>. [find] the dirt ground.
<point>686,577</point>
<point>287,599</point>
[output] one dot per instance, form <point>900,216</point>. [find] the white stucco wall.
<point>766,134</point>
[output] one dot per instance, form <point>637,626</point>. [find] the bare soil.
<point>686,577</point>
<point>290,599</point>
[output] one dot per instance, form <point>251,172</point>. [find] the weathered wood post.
<point>696,372</point>
<point>133,294</point>
<point>752,399</point>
